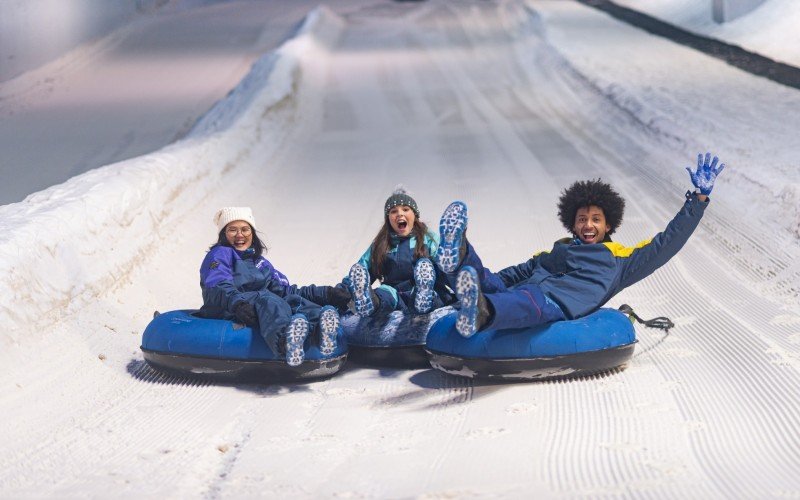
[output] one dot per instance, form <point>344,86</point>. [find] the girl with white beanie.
<point>239,284</point>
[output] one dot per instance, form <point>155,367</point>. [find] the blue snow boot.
<point>451,231</point>
<point>328,329</point>
<point>424,279</point>
<point>474,311</point>
<point>296,333</point>
<point>361,290</point>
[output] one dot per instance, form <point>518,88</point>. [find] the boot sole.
<point>360,291</point>
<point>296,334</point>
<point>467,293</point>
<point>451,230</point>
<point>424,278</point>
<point>328,328</point>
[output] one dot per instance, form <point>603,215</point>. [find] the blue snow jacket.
<point>580,277</point>
<point>228,277</point>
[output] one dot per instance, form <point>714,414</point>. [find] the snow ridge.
<point>60,248</point>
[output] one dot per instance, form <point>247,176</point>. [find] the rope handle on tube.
<point>661,322</point>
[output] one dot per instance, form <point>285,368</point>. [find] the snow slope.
<point>501,105</point>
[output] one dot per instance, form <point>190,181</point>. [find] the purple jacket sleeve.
<point>216,282</point>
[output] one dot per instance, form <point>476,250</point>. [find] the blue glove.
<point>703,179</point>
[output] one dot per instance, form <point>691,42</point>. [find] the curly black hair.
<point>593,192</point>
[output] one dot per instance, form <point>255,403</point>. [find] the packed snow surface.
<point>499,104</point>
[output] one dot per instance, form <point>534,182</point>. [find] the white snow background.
<point>500,104</point>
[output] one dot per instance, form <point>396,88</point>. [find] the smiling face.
<point>590,224</point>
<point>239,234</point>
<point>402,219</point>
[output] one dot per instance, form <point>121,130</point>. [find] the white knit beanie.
<point>230,214</point>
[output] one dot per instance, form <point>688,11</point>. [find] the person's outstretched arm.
<point>648,256</point>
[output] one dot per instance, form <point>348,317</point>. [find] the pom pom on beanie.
<point>229,214</point>
<point>400,197</point>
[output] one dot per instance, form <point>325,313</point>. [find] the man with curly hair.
<point>580,273</point>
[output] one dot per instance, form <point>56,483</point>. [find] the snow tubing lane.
<point>600,342</point>
<point>180,343</point>
<point>393,340</point>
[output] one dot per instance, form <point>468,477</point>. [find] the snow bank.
<point>65,246</point>
<point>755,31</point>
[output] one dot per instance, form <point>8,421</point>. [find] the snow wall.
<point>728,10</point>
<point>60,248</point>
<point>34,32</point>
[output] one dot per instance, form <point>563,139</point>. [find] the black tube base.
<point>544,368</point>
<point>227,370</point>
<point>403,357</point>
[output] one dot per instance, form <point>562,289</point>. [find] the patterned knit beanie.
<point>230,214</point>
<point>400,197</point>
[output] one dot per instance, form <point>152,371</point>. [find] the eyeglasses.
<point>233,231</point>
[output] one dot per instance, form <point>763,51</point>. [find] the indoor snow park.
<point>400,249</point>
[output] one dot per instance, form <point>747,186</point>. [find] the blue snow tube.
<point>182,343</point>
<point>596,343</point>
<point>395,340</point>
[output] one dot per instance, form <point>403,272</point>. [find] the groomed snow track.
<point>480,101</point>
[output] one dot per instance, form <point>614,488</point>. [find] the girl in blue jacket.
<point>400,259</point>
<point>239,284</point>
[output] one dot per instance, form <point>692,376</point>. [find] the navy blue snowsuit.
<point>228,277</point>
<point>396,292</point>
<point>575,279</point>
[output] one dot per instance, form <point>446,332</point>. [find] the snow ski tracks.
<point>747,412</point>
<point>276,437</point>
<point>723,334</point>
<point>745,342</point>
<point>602,438</point>
<point>449,415</point>
<point>415,419</point>
<point>476,158</point>
<point>736,338</point>
<point>91,441</point>
<point>316,439</point>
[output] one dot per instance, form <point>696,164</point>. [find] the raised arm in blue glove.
<point>707,172</point>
